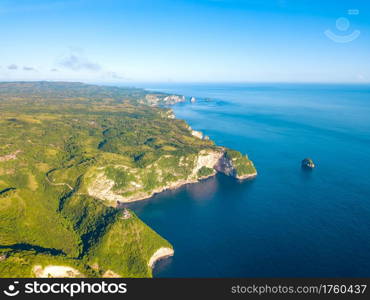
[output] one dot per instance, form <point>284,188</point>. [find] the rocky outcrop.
<point>152,99</point>
<point>161,253</point>
<point>173,99</point>
<point>114,198</point>
<point>158,99</point>
<point>246,176</point>
<point>226,165</point>
<point>307,163</point>
<point>197,134</point>
<point>102,188</point>
<point>218,160</point>
<point>56,272</point>
<point>111,274</point>
<point>208,159</point>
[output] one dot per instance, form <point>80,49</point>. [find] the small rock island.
<point>308,163</point>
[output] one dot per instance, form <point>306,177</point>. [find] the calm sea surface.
<point>286,222</point>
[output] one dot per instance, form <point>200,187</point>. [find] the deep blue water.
<point>286,222</point>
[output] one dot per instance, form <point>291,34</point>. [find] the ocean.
<point>287,222</point>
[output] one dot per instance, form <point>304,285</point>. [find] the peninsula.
<point>70,154</point>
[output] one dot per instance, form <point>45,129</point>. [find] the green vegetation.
<point>243,166</point>
<point>131,258</point>
<point>68,152</point>
<point>20,263</point>
<point>204,171</point>
<point>51,135</point>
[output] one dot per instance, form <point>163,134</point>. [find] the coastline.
<point>183,183</point>
<point>177,184</point>
<point>247,177</point>
<point>160,254</point>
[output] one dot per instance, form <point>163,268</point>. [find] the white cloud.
<point>28,68</point>
<point>77,61</point>
<point>12,67</point>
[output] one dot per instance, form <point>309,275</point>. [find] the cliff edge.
<point>118,183</point>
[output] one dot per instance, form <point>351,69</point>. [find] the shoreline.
<point>175,186</point>
<point>182,182</point>
<point>161,253</point>
<point>247,177</point>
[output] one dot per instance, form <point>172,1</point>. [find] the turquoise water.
<point>287,222</point>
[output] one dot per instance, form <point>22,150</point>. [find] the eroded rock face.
<point>56,272</point>
<point>173,99</point>
<point>111,274</point>
<point>225,165</point>
<point>239,167</point>
<point>157,99</point>
<point>197,134</point>
<point>102,187</point>
<point>161,253</point>
<point>208,159</point>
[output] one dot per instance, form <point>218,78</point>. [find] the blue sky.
<point>185,40</point>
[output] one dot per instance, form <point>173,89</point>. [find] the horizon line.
<point>192,82</point>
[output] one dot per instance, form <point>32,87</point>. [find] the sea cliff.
<point>168,172</point>
<point>161,253</point>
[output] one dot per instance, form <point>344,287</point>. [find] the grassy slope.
<point>131,258</point>
<point>19,264</point>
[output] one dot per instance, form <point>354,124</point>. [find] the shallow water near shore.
<point>288,221</point>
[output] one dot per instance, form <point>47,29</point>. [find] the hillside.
<point>70,153</point>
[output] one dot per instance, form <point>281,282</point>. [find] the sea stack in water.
<point>307,163</point>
